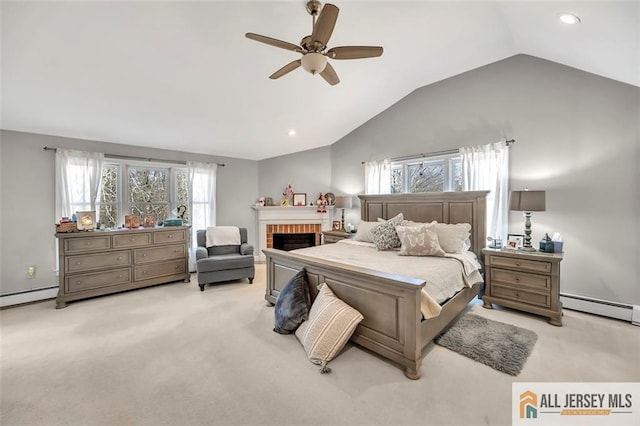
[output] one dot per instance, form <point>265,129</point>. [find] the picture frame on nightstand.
<point>515,241</point>
<point>336,225</point>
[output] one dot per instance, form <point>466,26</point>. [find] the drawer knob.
<point>170,235</point>
<point>78,263</point>
<point>144,254</point>
<point>88,243</point>
<point>517,263</point>
<point>177,266</point>
<point>144,272</point>
<point>119,257</point>
<point>517,294</point>
<point>78,282</point>
<point>119,275</point>
<point>517,278</point>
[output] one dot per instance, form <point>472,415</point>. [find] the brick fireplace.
<point>289,220</point>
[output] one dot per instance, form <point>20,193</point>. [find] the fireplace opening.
<point>293,241</point>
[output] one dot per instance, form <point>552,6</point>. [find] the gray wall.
<point>307,171</point>
<point>577,137</point>
<point>27,180</point>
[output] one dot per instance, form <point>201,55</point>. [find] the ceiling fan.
<point>313,47</point>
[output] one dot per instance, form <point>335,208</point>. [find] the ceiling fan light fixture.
<point>314,62</point>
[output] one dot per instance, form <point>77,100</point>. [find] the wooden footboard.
<point>392,325</point>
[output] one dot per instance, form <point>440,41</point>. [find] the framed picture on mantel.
<point>299,199</point>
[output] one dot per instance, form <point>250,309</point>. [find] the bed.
<point>394,326</point>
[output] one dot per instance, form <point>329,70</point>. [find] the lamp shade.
<point>343,202</point>
<point>314,62</point>
<point>527,201</point>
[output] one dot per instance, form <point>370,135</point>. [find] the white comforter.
<point>444,276</point>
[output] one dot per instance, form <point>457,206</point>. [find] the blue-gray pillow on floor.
<point>293,304</point>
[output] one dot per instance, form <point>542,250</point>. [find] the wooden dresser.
<point>528,281</point>
<point>103,262</point>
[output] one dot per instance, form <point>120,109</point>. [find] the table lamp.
<point>343,202</point>
<point>527,201</point>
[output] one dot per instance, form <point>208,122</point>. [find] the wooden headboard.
<point>444,207</point>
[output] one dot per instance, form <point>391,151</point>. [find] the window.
<point>430,174</point>
<point>141,189</point>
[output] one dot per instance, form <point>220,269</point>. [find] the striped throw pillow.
<point>330,325</point>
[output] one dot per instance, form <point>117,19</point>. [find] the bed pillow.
<point>452,237</point>
<point>293,304</point>
<point>384,235</point>
<point>364,231</point>
<point>331,324</point>
<point>420,240</point>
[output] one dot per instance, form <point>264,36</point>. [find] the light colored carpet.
<point>501,346</point>
<point>172,355</point>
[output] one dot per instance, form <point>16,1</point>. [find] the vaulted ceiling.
<point>181,75</point>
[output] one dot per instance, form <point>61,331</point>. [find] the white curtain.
<point>486,167</point>
<point>78,181</point>
<point>377,177</point>
<point>202,199</point>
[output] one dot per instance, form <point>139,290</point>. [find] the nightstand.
<point>528,281</point>
<point>330,237</point>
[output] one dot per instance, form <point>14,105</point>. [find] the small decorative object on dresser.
<point>528,281</point>
<point>336,225</point>
<point>149,221</point>
<point>515,241</point>
<point>131,221</point>
<point>331,199</point>
<point>86,220</point>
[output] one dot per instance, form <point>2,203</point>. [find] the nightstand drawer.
<point>521,264</point>
<point>540,282</point>
<point>519,295</point>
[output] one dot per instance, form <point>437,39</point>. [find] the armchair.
<point>223,263</point>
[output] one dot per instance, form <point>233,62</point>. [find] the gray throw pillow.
<point>293,304</point>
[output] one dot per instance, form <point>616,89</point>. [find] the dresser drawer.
<point>82,282</point>
<point>174,236</point>
<point>90,262</point>
<point>146,255</point>
<point>522,264</point>
<point>81,245</point>
<point>154,270</point>
<point>540,282</point>
<point>519,295</point>
<point>131,240</point>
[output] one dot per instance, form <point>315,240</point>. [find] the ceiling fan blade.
<point>354,52</point>
<point>286,69</point>
<point>324,25</point>
<point>330,76</point>
<point>274,42</point>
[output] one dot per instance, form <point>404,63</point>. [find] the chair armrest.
<point>246,249</point>
<point>201,253</point>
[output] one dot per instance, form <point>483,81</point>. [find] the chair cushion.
<point>223,262</point>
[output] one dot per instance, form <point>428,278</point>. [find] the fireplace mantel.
<point>288,215</point>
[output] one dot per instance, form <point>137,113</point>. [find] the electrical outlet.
<point>31,272</point>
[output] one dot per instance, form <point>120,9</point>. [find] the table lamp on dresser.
<point>343,202</point>
<point>527,201</point>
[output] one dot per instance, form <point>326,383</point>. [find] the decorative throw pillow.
<point>293,304</point>
<point>331,324</point>
<point>364,231</point>
<point>420,240</point>
<point>384,235</point>
<point>452,237</point>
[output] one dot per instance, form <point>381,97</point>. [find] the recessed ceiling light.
<point>292,132</point>
<point>569,18</point>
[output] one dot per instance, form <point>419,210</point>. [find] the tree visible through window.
<point>436,174</point>
<point>142,191</point>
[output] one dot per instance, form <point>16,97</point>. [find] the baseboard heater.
<point>601,307</point>
<point>27,296</point>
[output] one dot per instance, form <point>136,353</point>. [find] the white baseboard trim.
<point>28,296</point>
<point>635,316</point>
<point>601,307</point>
